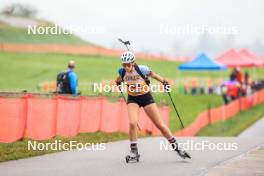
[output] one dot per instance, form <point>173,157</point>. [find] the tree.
<point>19,10</point>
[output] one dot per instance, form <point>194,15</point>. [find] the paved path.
<point>110,162</point>
<point>255,130</point>
<point>247,164</point>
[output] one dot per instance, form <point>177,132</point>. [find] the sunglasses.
<point>127,65</point>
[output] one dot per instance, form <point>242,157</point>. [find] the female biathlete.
<point>136,78</point>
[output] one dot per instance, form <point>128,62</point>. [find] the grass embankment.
<point>235,125</point>
<point>9,34</point>
<point>26,71</point>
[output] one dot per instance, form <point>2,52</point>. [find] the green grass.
<point>26,71</point>
<point>188,106</point>
<point>235,125</point>
<point>10,34</point>
<point>19,149</point>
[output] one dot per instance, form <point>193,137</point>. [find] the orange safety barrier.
<point>68,116</point>
<point>231,109</point>
<point>246,102</point>
<point>42,118</point>
<point>217,114</point>
<point>221,113</point>
<point>110,117</point>
<point>90,114</point>
<point>12,119</point>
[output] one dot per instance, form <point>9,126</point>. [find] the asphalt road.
<point>255,130</point>
<point>153,161</point>
<point>248,164</point>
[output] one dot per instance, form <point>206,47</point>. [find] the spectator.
<point>230,89</point>
<point>238,74</point>
<point>246,85</point>
<point>67,81</point>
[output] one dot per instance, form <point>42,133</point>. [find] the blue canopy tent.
<point>202,62</point>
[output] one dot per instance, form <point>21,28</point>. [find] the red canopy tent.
<point>234,59</point>
<point>252,57</point>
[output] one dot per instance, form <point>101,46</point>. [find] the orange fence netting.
<point>78,50</point>
<point>221,113</point>
<point>42,118</point>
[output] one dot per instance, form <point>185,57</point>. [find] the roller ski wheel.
<point>132,158</point>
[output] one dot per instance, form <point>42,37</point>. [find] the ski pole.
<point>175,109</point>
<point>122,94</point>
<point>125,43</point>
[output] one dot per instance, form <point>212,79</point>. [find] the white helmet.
<point>127,57</point>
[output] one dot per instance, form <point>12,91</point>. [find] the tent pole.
<point>255,73</point>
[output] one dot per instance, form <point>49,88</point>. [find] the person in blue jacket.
<point>72,78</point>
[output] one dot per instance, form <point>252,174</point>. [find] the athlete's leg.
<point>133,111</point>
<point>153,113</point>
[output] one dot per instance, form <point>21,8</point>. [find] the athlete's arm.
<point>118,80</point>
<point>156,76</point>
<point>160,79</point>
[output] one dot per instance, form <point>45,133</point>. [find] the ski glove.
<point>118,83</point>
<point>166,85</point>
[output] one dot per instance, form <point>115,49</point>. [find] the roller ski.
<point>132,157</point>
<point>183,154</point>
